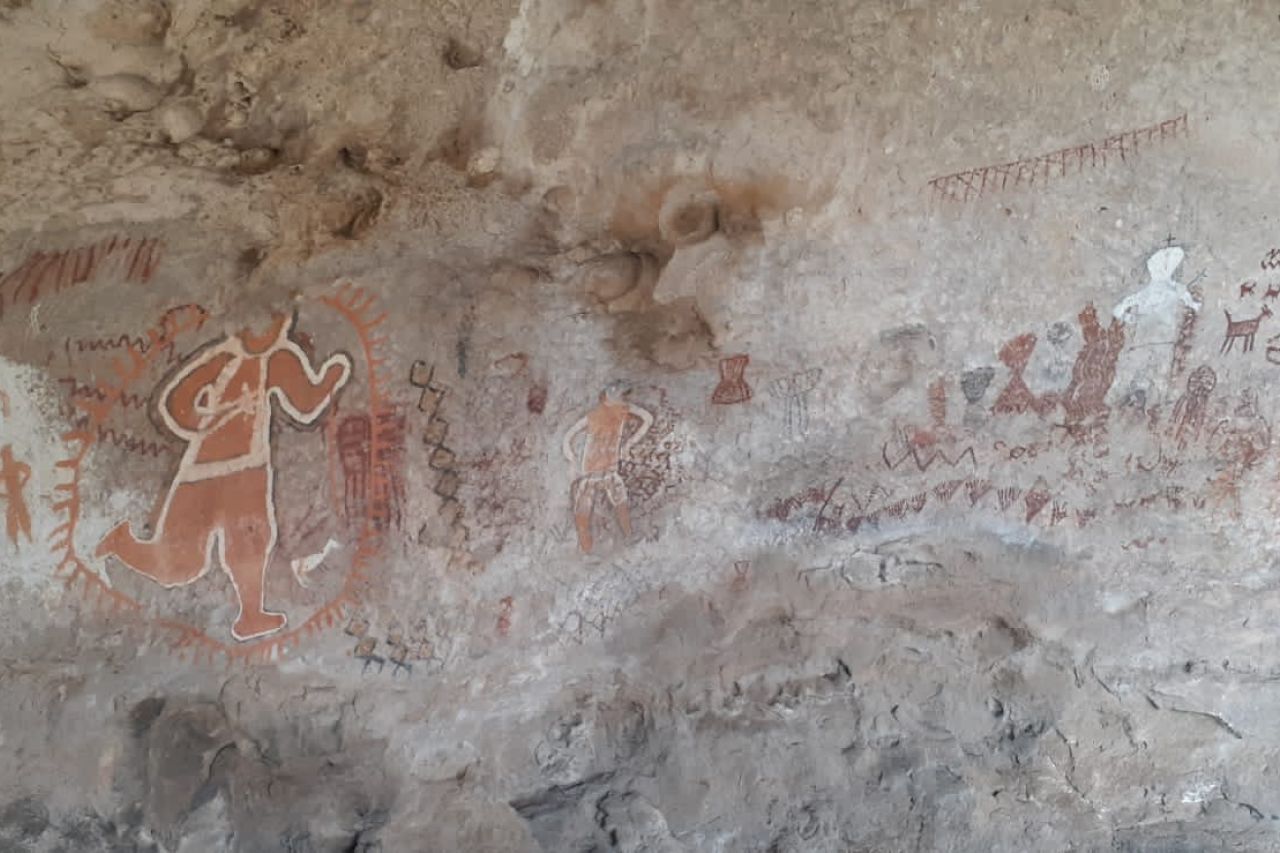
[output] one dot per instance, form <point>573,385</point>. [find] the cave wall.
<point>571,425</point>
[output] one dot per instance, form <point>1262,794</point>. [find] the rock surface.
<point>562,425</point>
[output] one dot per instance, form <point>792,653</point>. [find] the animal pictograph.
<point>1242,330</point>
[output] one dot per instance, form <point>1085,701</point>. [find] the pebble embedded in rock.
<point>180,120</point>
<point>484,163</point>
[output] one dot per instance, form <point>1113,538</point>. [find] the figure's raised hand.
<point>305,391</point>
<point>337,371</point>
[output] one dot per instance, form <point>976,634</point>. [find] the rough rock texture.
<point>568,425</point>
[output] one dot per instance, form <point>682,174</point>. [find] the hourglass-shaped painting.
<point>733,387</point>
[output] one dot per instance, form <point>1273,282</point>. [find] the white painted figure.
<point>1152,317</point>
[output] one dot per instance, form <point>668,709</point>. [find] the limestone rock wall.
<point>571,425</point>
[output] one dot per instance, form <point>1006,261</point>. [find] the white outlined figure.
<point>222,495</point>
<point>794,390</point>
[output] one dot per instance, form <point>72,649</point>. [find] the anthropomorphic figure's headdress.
<point>1162,264</point>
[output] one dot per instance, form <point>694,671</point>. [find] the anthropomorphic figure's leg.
<point>248,537</point>
<point>583,504</point>
<point>20,517</point>
<point>179,551</point>
<point>623,513</point>
<point>617,493</point>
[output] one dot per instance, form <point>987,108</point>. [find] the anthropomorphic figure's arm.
<point>646,421</point>
<point>1127,310</point>
<point>1090,328</point>
<point>184,404</point>
<point>567,446</point>
<point>304,393</point>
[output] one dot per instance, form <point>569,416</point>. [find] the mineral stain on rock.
<point>25,818</point>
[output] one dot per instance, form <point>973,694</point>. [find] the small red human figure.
<point>14,476</point>
<point>1237,443</point>
<point>1095,368</point>
<point>536,400</point>
<point>505,608</point>
<point>605,426</point>
<point>1190,409</point>
<point>221,498</point>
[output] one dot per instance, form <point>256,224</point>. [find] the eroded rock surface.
<point>652,427</point>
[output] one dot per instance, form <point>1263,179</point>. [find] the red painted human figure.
<point>597,469</point>
<point>221,497</point>
<point>1095,367</point>
<point>14,476</point>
